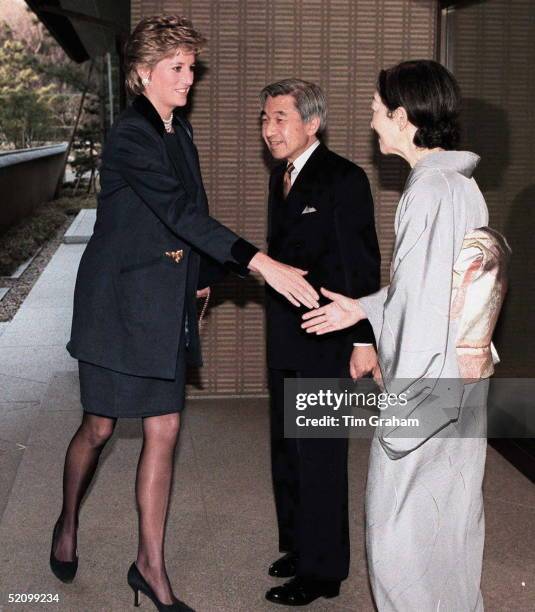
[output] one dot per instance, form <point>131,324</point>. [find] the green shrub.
<point>22,241</point>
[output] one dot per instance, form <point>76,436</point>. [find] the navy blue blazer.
<point>153,238</point>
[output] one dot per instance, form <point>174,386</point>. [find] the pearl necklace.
<point>168,124</point>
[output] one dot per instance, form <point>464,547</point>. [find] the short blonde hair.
<point>155,38</point>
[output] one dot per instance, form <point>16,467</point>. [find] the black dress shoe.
<point>284,567</point>
<point>138,583</point>
<point>64,570</point>
<point>302,591</point>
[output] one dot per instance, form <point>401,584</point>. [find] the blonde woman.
<point>134,328</point>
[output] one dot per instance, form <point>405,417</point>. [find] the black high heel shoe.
<point>64,570</point>
<point>138,583</point>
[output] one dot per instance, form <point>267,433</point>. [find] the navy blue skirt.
<point>112,394</point>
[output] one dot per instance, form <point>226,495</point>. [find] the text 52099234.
<point>33,597</point>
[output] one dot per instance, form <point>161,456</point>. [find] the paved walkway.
<point>82,227</point>
<point>221,533</point>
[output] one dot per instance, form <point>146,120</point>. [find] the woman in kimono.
<point>424,505</point>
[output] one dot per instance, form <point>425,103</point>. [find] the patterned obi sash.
<point>479,287</point>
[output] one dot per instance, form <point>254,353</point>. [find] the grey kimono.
<point>424,507</point>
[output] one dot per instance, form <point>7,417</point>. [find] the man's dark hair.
<point>431,97</point>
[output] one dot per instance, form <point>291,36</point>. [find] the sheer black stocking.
<point>153,486</point>
<point>81,462</point>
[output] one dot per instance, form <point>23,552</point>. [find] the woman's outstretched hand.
<point>342,312</point>
<point>288,281</point>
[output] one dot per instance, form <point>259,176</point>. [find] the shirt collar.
<point>300,161</point>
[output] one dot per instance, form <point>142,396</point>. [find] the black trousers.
<point>310,487</point>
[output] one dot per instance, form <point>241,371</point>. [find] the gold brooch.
<point>176,256</point>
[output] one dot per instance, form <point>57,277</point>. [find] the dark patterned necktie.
<point>287,181</point>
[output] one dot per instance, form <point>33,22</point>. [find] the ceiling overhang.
<point>84,28</point>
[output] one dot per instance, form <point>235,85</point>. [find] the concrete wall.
<point>492,53</point>
<point>27,179</point>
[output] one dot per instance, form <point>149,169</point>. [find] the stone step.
<point>3,292</point>
<point>81,229</point>
<point>24,266</point>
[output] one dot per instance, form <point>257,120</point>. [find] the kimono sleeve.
<point>414,336</point>
<point>374,305</point>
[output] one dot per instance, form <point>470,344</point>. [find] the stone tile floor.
<point>221,532</point>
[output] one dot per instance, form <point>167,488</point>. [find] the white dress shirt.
<point>300,161</point>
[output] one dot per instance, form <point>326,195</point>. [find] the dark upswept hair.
<point>431,97</point>
<point>153,39</point>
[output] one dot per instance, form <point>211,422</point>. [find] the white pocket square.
<point>308,209</point>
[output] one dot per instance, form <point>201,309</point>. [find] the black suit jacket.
<point>338,246</point>
<point>131,298</point>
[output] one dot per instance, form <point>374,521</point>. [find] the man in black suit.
<point>320,219</point>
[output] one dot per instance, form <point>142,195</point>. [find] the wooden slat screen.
<point>492,53</point>
<point>339,44</point>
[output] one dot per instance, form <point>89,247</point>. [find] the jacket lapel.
<point>188,147</point>
<point>180,149</point>
<point>180,165</point>
<point>305,185</point>
<point>284,214</point>
<point>275,201</point>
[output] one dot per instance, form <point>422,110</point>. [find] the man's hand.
<point>342,312</point>
<point>201,293</point>
<point>288,281</point>
<point>363,361</point>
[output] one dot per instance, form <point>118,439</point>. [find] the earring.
<point>145,81</point>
